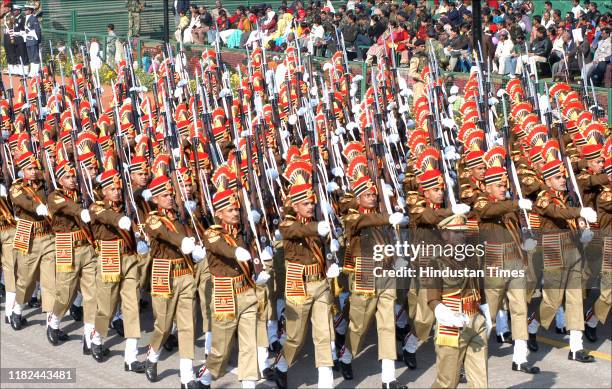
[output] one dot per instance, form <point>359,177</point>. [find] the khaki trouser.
<point>316,306</point>
<point>362,310</point>
<point>514,289</point>
<point>263,314</point>
<point>424,316</point>
<point>39,263</point>
<point>604,301</point>
<point>472,353</point>
<point>557,285</point>
<point>223,333</point>
<point>204,287</point>
<point>178,307</point>
<point>9,263</point>
<point>133,24</point>
<point>107,297</point>
<point>84,274</point>
<point>144,271</point>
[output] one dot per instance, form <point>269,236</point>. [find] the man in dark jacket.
<point>538,52</point>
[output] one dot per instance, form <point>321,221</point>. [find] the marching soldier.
<point>562,262</point>
<point>418,63</point>
<point>75,258</point>
<point>7,257</point>
<point>232,275</point>
<point>172,283</point>
<point>370,297</point>
<point>34,241</point>
<point>500,230</point>
<point>307,292</point>
<point>117,273</point>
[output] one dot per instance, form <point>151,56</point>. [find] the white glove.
<point>323,229</point>
<point>272,174</point>
<point>338,172</point>
<point>147,195</point>
<point>525,204</point>
<point>589,214</point>
<point>142,247</point>
<point>41,210</point>
<point>334,246</point>
<point>394,138</point>
<point>3,192</point>
<point>254,216</point>
<point>332,186</point>
<point>398,219</point>
<point>242,254</point>
<point>198,254</point>
<point>388,190</point>
<point>484,308</point>
<point>187,245</point>
<point>333,271</point>
<point>445,316</point>
<point>125,223</point>
<point>262,277</point>
<point>587,236</point>
<point>266,254</point>
<point>529,244</point>
<point>190,205</point>
<point>85,216</point>
<point>461,209</point>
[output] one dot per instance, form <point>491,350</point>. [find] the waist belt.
<point>123,247</point>
<point>240,284</point>
<point>312,273</point>
<point>6,227</point>
<point>179,268</point>
<point>554,246</point>
<point>296,277</point>
<point>496,254</point>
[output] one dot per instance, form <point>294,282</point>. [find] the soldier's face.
<point>31,173</point>
<point>434,195</point>
<point>68,182</point>
<point>478,172</point>
<point>367,200</point>
<point>557,182</point>
<point>164,200</point>
<point>230,215</point>
<point>188,188</point>
<point>91,171</point>
<point>596,166</point>
<point>140,179</point>
<point>112,194</point>
<point>304,209</point>
<point>497,190</point>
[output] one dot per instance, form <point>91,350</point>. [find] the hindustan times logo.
<point>411,251</point>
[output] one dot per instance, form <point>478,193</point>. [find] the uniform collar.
<point>169,213</point>
<point>231,229</point>
<point>367,210</point>
<point>303,220</point>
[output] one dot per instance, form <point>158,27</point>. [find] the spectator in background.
<point>547,20</point>
<point>569,59</point>
<point>602,58</point>
<point>538,52</point>
<point>503,52</point>
<point>181,27</point>
<point>178,7</point>
<point>135,8</point>
<point>556,37</point>
<point>456,47</point>
<point>577,9</point>
<point>111,40</point>
<point>216,12</point>
<point>537,22</point>
<point>593,13</point>
<point>518,50</point>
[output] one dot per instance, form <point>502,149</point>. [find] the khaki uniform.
<point>34,244</point>
<point>424,218</point>
<point>454,346</point>
<point>144,260</point>
<point>231,316</point>
<point>135,7</point>
<point>369,297</point>
<point>117,273</point>
<point>499,229</point>
<point>307,291</point>
<point>604,214</point>
<point>417,64</point>
<point>562,264</point>
<point>7,232</point>
<point>172,283</point>
<point>75,256</point>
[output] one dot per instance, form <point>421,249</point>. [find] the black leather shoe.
<point>34,303</point>
<point>280,379</point>
<point>336,366</point>
<point>171,342</point>
<point>6,320</point>
<point>62,336</point>
<point>409,359</point>
<point>393,385</point>
<point>346,369</point>
<point>400,333</point>
<point>268,373</point>
<point>193,385</point>
<point>53,336</point>
<point>275,347</point>
<point>561,331</point>
<point>525,368</point>
<point>150,370</point>
<point>532,343</point>
<point>16,321</point>
<point>462,377</point>
<point>506,337</point>
<point>76,313</point>
<point>590,333</point>
<point>117,325</point>
<point>97,352</point>
<point>136,367</point>
<point>581,356</point>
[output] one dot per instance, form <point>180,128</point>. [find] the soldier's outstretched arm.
<point>490,209</point>
<point>555,212</point>
<point>291,229</point>
<point>59,204</point>
<point>22,200</point>
<point>590,181</point>
<point>157,230</point>
<point>104,216</point>
<point>425,215</point>
<point>358,221</point>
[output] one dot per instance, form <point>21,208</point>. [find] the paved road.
<point>29,348</point>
